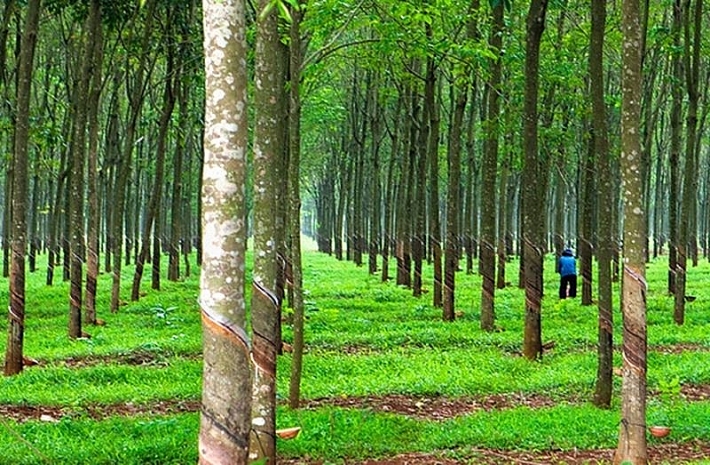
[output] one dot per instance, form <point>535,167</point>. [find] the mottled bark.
<point>632,430</point>
<point>268,149</point>
<point>225,419</point>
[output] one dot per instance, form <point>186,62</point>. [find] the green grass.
<point>365,338</point>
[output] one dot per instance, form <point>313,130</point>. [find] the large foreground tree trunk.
<point>268,149</point>
<point>632,431</point>
<point>225,419</point>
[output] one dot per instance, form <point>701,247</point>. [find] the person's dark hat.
<point>568,252</point>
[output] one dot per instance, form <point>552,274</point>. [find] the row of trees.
<point>441,130</point>
<point>92,130</point>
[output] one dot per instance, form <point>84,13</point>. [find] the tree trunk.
<point>375,199</point>
<point>603,387</point>
<point>533,205</point>
<point>151,220</point>
<point>488,182</point>
<point>433,162</point>
<point>451,256</point>
<point>16,317</point>
<point>78,168</point>
<point>676,130</point>
<point>268,151</point>
<point>93,220</point>
<point>124,170</point>
<point>586,233</point>
<point>632,430</point>
<point>225,420</point>
<point>295,207</point>
<point>686,235</point>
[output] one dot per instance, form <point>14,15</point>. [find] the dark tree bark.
<point>451,251</point>
<point>603,387</point>
<point>586,233</point>
<point>294,226</point>
<point>434,124</point>
<point>16,317</point>
<point>533,204</point>
<point>676,131</point>
<point>687,227</point>
<point>374,175</point>
<point>94,219</point>
<point>137,90</point>
<point>151,222</point>
<point>78,167</point>
<point>488,181</point>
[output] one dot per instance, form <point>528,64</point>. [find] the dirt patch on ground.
<point>22,413</point>
<point>434,408</point>
<point>666,453</point>
<point>695,392</point>
<point>678,348</point>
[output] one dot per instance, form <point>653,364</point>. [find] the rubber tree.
<point>533,197</point>
<point>18,246</point>
<point>489,169</point>
<point>225,419</point>
<point>268,149</point>
<point>686,234</point>
<point>603,387</point>
<point>632,431</point>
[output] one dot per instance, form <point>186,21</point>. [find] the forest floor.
<point>426,408</point>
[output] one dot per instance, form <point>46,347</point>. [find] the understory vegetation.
<point>378,364</point>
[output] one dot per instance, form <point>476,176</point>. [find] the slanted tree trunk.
<point>151,221</point>
<point>632,430</point>
<point>16,317</point>
<point>225,420</point>
<point>603,387</point>
<point>533,204</point>
<point>124,170</point>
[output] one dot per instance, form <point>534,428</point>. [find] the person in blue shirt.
<point>567,268</point>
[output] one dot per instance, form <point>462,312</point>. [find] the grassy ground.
<point>115,398</point>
